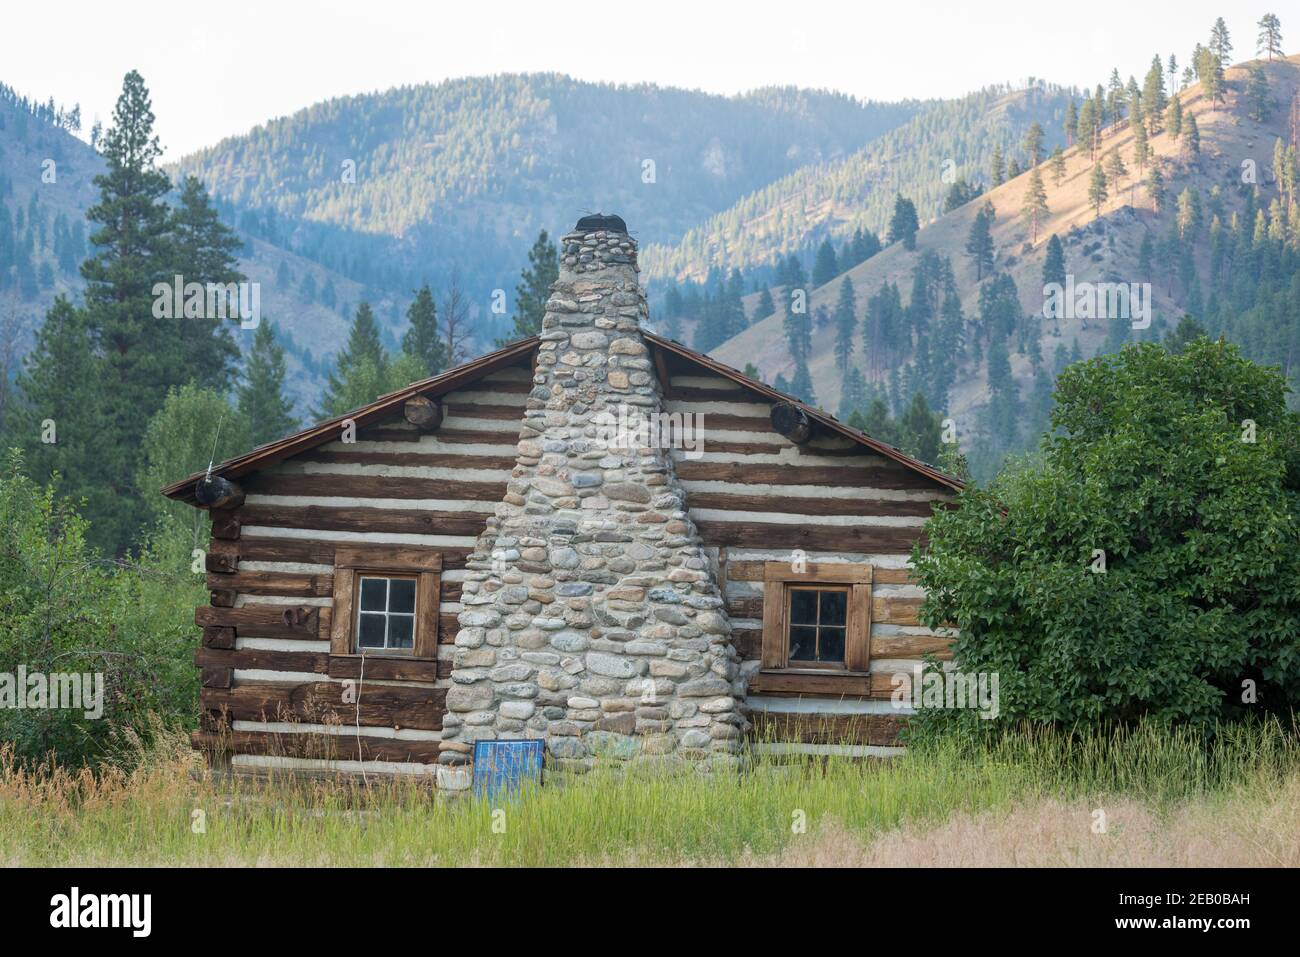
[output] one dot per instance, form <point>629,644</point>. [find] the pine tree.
<point>1097,189</point>
<point>1034,210</point>
<point>1153,97</point>
<point>1071,123</point>
<point>1057,166</point>
<point>1033,143</point>
<point>1115,170</point>
<point>361,370</point>
<point>534,289</point>
<point>801,386</point>
<point>142,356</point>
<point>997,168</point>
<point>1141,146</point>
<point>422,340</point>
<point>1088,126</point>
<point>904,224</point>
<point>1174,117</point>
<point>261,398</point>
<point>979,243</point>
<point>825,266</point>
<point>1221,44</point>
<point>1270,36</point>
<point>204,250</point>
<point>1258,102</point>
<point>1054,262</point>
<point>1156,188</point>
<point>765,305</point>
<point>846,322</point>
<point>1191,138</point>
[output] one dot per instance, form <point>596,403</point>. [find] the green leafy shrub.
<point>1179,475</point>
<point>63,610</point>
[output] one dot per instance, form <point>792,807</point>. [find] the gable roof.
<point>511,355</point>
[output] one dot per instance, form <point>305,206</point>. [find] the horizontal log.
<point>285,584</point>
<point>428,460</point>
<point>380,520</point>
<point>865,539</point>
<point>911,646</point>
<point>787,684</point>
<point>369,486</point>
<point>261,659</point>
<point>322,702</point>
<point>383,668</point>
<point>744,473</point>
<point>478,411</point>
<point>220,597</point>
<point>320,551</point>
<point>895,611</point>
<point>267,621</point>
<point>752,571</point>
<point>393,557</point>
<point>880,730</point>
<point>445,436</point>
<point>332,747</point>
<point>794,505</point>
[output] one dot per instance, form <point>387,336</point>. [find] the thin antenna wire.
<point>215,439</point>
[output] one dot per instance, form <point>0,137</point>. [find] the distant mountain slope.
<point>415,183</point>
<point>920,159</point>
<point>1100,249</point>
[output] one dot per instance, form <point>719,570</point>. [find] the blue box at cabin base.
<point>506,765</point>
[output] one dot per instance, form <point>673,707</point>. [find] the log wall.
<point>271,693</point>
<point>756,497</point>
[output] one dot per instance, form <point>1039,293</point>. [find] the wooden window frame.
<point>778,578</point>
<point>351,564</point>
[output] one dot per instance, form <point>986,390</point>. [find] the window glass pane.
<point>830,645</point>
<point>835,606</point>
<point>400,630</point>
<point>803,644</point>
<point>401,595</point>
<point>803,606</point>
<point>370,631</point>
<point>373,592</point>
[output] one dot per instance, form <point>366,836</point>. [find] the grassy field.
<point>1145,798</point>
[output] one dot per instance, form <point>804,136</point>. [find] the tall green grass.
<point>162,811</point>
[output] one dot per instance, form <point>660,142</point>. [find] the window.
<point>385,613</point>
<point>386,601</point>
<point>817,619</point>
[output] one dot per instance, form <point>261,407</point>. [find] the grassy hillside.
<point>1104,248</point>
<point>947,140</point>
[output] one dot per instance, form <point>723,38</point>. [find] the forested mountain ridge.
<point>1217,236</point>
<point>390,188</point>
<point>945,141</point>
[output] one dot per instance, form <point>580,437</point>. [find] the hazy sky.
<point>218,69</point>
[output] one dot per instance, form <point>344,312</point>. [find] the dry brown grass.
<point>1242,830</point>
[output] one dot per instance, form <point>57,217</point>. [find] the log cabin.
<point>595,537</point>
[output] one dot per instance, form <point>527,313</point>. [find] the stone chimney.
<point>591,614</point>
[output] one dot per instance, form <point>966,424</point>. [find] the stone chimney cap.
<point>610,223</point>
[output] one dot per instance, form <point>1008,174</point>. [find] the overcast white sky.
<point>217,69</point>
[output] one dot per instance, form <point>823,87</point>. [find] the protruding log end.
<point>792,422</point>
<point>213,491</point>
<point>424,414</point>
